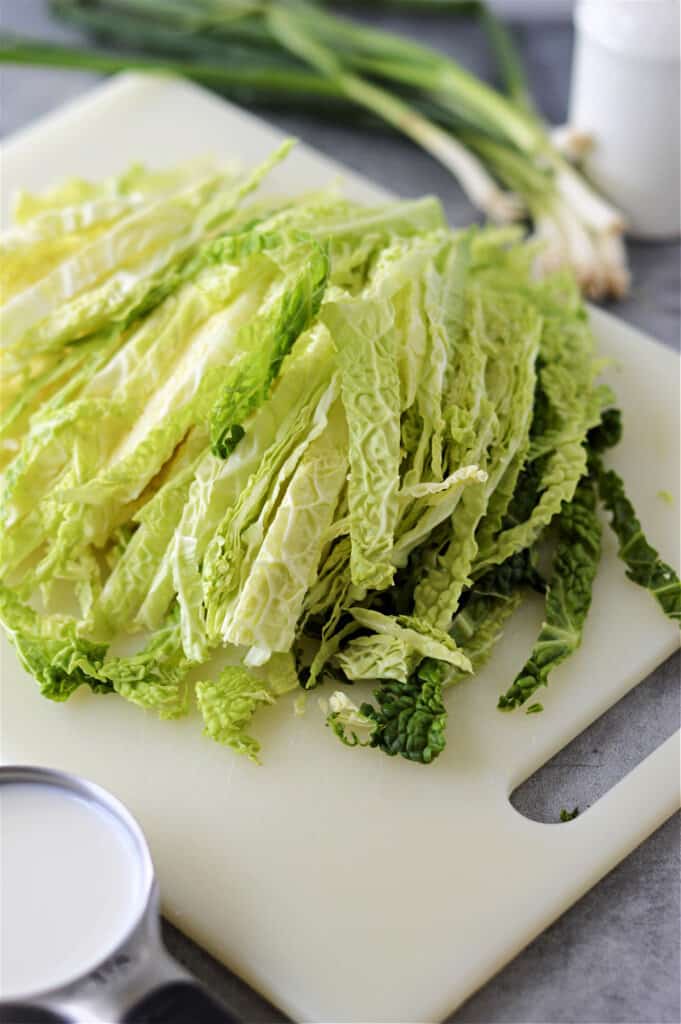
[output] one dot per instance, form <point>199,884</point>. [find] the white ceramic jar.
<point>626,86</point>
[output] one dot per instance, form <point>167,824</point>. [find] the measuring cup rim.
<point>91,791</point>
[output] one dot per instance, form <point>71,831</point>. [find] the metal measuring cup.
<point>137,982</point>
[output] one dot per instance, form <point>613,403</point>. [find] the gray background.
<point>614,957</point>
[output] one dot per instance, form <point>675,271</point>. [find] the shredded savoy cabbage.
<point>332,439</point>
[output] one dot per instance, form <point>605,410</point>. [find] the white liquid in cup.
<point>71,886</point>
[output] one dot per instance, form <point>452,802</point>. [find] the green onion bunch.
<point>297,52</point>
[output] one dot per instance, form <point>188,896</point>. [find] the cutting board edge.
<point>667,804</point>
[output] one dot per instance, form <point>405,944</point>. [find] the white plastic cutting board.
<point>344,885</point>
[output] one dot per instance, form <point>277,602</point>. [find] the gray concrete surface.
<point>614,957</point>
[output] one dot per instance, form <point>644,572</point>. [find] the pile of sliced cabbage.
<point>326,437</point>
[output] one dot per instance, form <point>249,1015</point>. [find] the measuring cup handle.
<point>178,1002</point>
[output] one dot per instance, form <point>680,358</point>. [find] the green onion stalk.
<point>494,143</point>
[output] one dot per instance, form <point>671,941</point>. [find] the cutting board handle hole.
<point>592,763</point>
